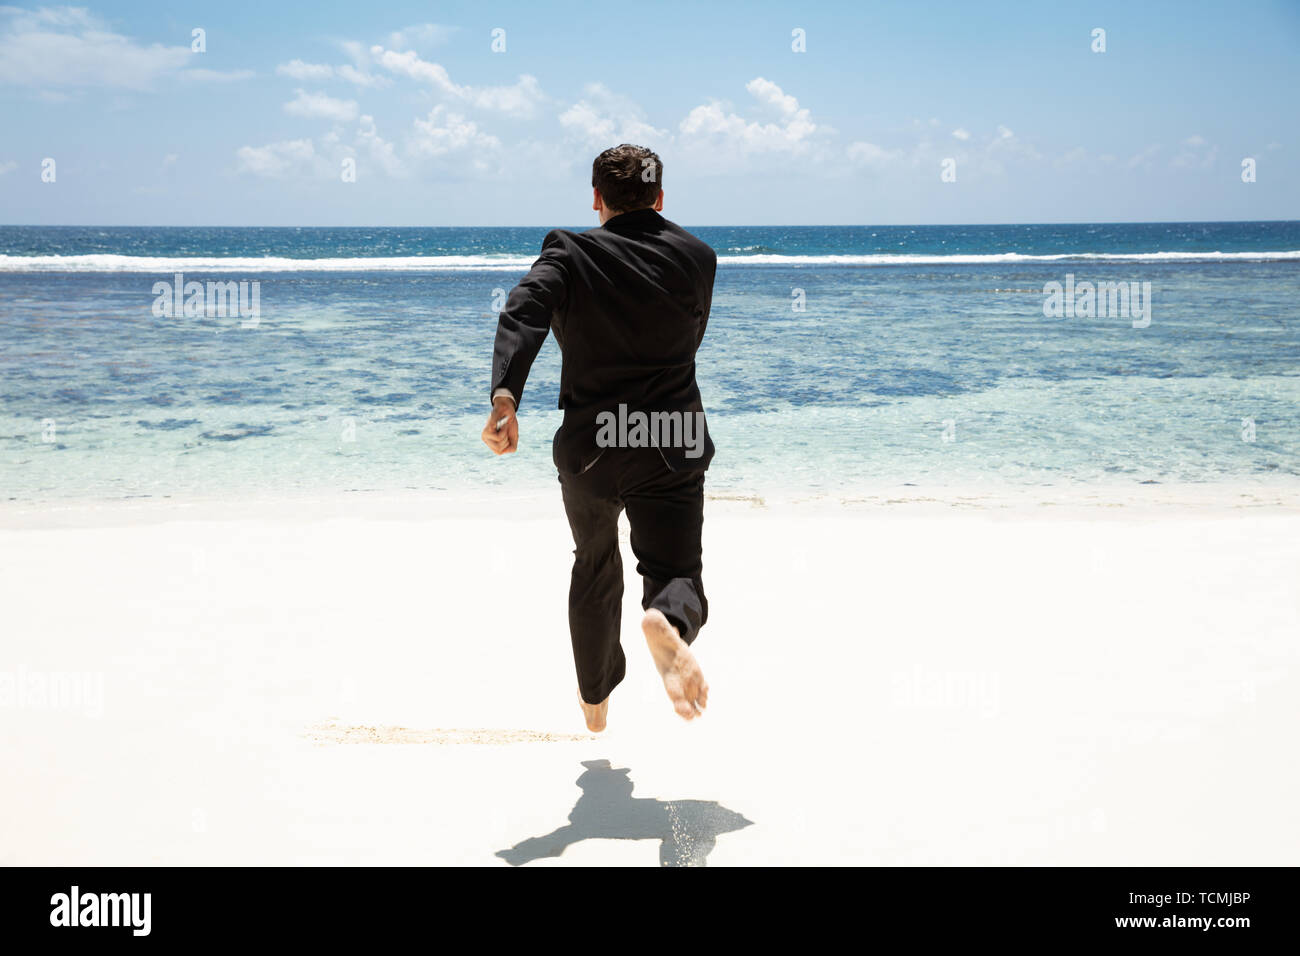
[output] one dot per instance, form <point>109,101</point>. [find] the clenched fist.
<point>501,433</point>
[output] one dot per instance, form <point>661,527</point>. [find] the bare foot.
<point>682,676</point>
<point>595,713</point>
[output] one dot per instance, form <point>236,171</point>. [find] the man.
<point>629,302</point>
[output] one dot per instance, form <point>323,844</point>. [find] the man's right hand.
<point>502,436</point>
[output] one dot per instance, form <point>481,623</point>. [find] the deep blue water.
<point>361,242</point>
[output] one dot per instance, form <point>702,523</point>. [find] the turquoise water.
<point>922,356</point>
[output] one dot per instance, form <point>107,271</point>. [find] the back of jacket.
<point>629,302</point>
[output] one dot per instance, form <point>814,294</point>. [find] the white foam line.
<point>1007,257</point>
<point>160,265</point>
<point>166,265</point>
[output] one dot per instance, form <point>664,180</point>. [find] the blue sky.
<point>442,130</point>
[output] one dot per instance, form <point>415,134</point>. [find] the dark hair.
<point>628,177</point>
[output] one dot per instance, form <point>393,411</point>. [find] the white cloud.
<point>358,52</point>
<point>1005,147</point>
<point>357,72</point>
<point>978,154</point>
<point>320,106</point>
<point>420,35</point>
<point>862,153</point>
<point>66,48</point>
<point>8,167</point>
<point>1072,157</point>
<point>765,91</point>
<point>322,158</point>
<point>712,126</point>
<point>410,65</point>
<point>1195,154</point>
<point>54,16</point>
<point>602,119</point>
<point>276,160</point>
<point>444,131</point>
<point>359,77</point>
<point>1143,158</point>
<point>307,72</point>
<point>380,151</point>
<point>519,100</point>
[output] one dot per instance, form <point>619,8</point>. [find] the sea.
<point>837,359</point>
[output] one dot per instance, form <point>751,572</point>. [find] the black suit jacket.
<point>629,302</point>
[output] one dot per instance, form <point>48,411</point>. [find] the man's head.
<point>626,178</point>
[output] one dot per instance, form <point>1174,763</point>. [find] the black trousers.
<point>665,510</point>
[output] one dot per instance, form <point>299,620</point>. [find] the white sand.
<point>365,680</point>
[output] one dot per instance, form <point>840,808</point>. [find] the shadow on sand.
<point>687,829</point>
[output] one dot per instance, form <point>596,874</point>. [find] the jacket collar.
<point>637,217</point>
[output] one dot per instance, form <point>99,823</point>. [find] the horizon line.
<point>815,225</point>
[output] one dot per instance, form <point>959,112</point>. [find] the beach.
<point>987,584</point>
<point>902,676</point>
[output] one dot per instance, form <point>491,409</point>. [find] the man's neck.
<point>606,215</point>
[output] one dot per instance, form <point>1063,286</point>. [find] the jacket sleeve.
<point>706,297</point>
<point>526,318</point>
